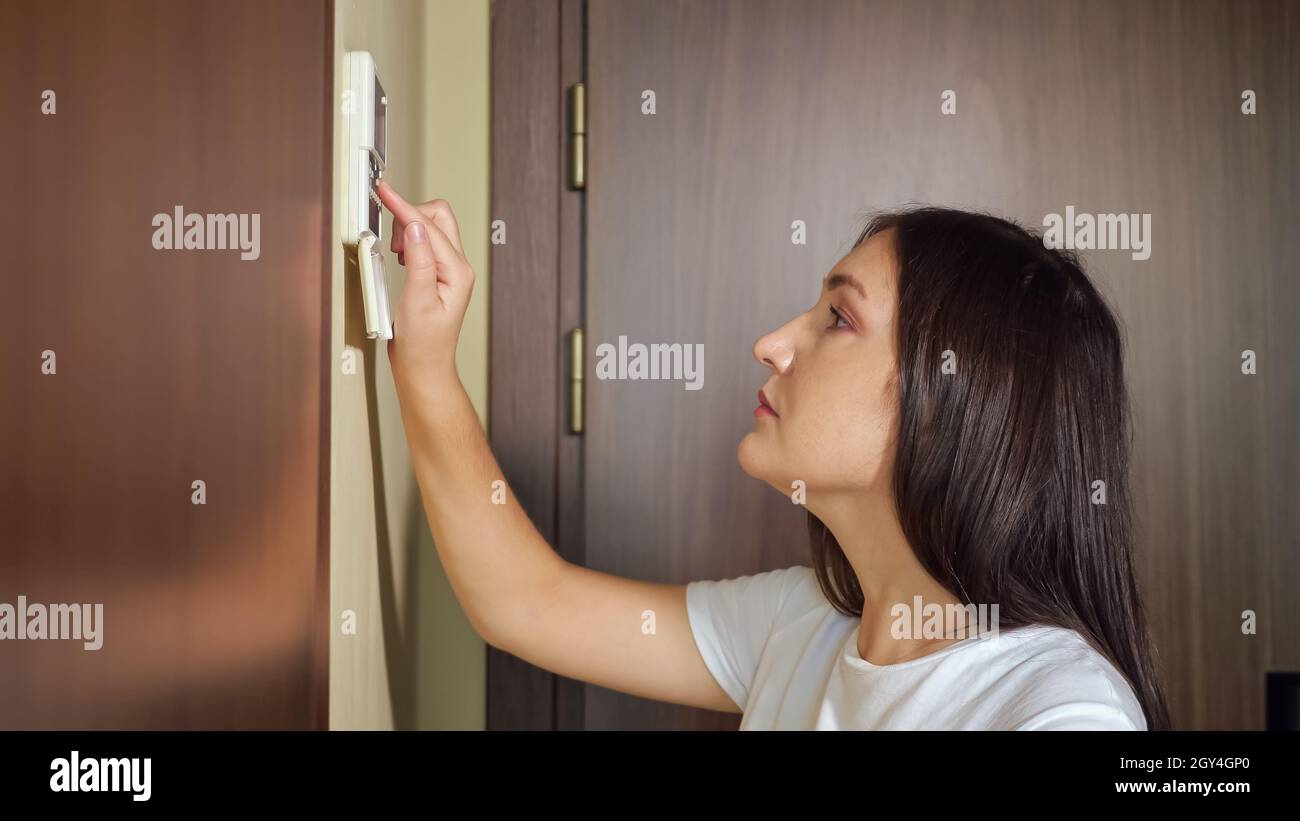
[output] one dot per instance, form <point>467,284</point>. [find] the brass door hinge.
<point>577,354</point>
<point>578,136</point>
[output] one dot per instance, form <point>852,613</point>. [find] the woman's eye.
<point>837,318</point>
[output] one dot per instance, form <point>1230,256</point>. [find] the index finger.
<point>402,210</point>
<point>436,213</point>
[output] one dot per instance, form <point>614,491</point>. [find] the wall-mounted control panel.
<point>365,115</point>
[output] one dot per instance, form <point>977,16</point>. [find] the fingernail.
<point>415,232</point>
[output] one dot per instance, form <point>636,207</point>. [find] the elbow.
<point>517,617</point>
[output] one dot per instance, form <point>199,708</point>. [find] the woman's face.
<point>831,390</point>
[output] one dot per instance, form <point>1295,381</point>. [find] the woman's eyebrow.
<point>839,278</point>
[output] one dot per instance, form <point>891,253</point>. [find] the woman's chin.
<point>745,454</point>
<point>753,458</point>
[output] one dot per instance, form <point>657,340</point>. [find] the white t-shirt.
<point>790,661</point>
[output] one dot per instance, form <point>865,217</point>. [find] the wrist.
<point>428,394</point>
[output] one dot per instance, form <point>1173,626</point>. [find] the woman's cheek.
<point>847,442</point>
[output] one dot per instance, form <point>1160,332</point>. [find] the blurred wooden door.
<point>171,366</point>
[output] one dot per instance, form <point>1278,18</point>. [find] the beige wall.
<point>414,661</point>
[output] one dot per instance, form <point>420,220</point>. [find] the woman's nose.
<point>776,349</point>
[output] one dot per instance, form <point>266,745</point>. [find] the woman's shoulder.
<point>1062,682</point>
<point>803,591</point>
<point>795,583</point>
<point>786,594</point>
<point>797,591</point>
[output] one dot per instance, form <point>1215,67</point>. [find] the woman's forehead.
<point>873,263</point>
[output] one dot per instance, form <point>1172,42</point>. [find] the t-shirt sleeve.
<point>732,619</point>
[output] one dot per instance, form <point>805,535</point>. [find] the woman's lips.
<point>764,409</point>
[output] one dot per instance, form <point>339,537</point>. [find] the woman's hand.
<point>439,281</point>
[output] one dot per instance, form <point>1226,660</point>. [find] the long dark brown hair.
<point>998,454</point>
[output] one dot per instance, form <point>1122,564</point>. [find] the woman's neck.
<point>869,533</point>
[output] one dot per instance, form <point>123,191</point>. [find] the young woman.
<point>954,406</point>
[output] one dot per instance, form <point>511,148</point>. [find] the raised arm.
<point>517,592</point>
